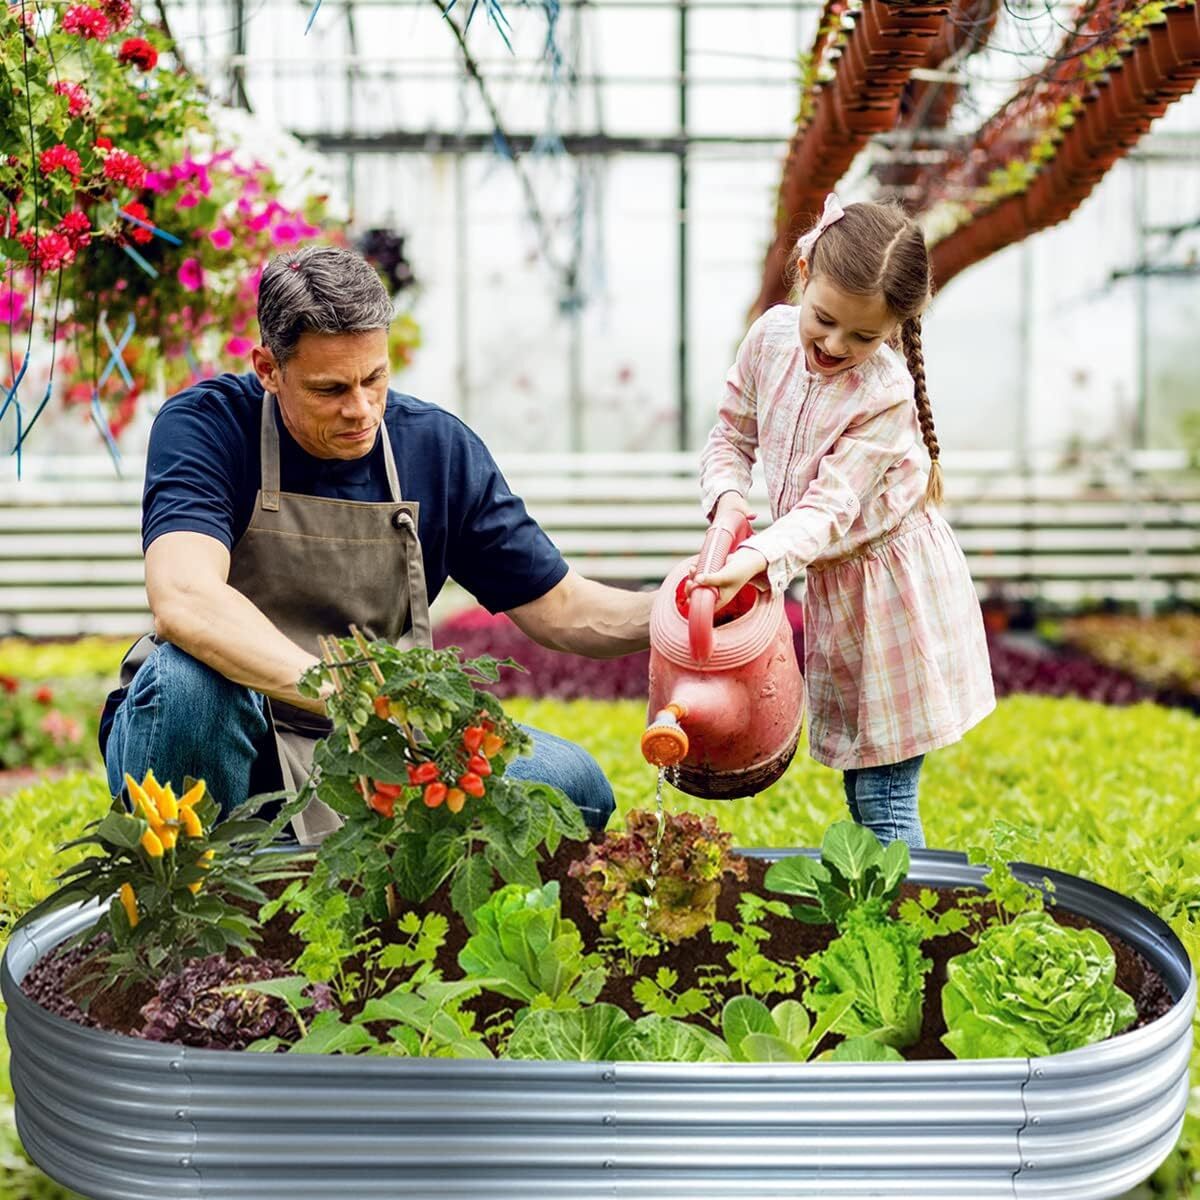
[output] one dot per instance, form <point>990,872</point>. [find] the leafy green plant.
<point>1033,987</point>
<point>605,1033</point>
<point>694,856</point>
<point>629,941</point>
<point>784,1033</point>
<point>527,951</point>
<point>1009,894</point>
<point>656,994</point>
<point>752,970</point>
<point>876,964</point>
<point>162,875</point>
<point>854,870</point>
<point>920,915</point>
<point>415,766</point>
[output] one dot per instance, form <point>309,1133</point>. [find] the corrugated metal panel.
<point>120,1119</point>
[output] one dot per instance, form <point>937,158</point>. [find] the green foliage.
<point>784,1033</point>
<point>164,881</point>
<point>406,722</point>
<point>752,970</point>
<point>529,952</point>
<point>854,871</point>
<point>604,1032</point>
<point>656,994</point>
<point>1033,987</point>
<point>876,963</point>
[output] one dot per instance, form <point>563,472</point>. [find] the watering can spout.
<point>665,743</point>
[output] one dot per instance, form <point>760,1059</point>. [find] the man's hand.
<point>743,566</point>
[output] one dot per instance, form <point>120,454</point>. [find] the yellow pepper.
<point>168,806</point>
<point>203,862</point>
<point>129,900</point>
<point>152,843</point>
<point>193,795</point>
<point>168,836</point>
<point>190,822</point>
<point>144,803</point>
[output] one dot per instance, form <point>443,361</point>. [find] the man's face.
<point>332,391</point>
<point>839,330</point>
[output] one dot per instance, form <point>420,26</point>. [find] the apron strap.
<point>418,601</point>
<point>269,445</point>
<point>389,460</point>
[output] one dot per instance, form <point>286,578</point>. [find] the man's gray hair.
<point>319,289</point>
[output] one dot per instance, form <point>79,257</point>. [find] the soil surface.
<point>61,982</point>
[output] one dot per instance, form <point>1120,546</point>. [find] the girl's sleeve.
<point>729,453</point>
<point>850,471</point>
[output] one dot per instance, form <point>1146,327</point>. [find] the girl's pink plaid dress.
<point>896,659</point>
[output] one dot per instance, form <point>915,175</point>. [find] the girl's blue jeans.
<point>884,799</point>
<point>181,718</point>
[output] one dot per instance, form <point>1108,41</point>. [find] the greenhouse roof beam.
<point>882,45</point>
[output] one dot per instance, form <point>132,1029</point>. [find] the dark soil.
<point>58,982</point>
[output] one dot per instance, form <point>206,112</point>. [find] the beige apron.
<point>315,566</point>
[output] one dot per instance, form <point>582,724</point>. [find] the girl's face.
<point>839,330</point>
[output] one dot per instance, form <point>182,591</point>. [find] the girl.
<point>896,661</point>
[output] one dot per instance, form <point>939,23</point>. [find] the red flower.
<point>60,157</point>
<point>122,167</point>
<point>86,21</point>
<point>119,12</point>
<point>76,228</point>
<point>102,143</point>
<point>44,695</point>
<point>78,101</point>
<point>136,232</point>
<point>8,684</point>
<point>139,53</point>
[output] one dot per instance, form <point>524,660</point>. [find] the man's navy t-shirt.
<point>203,471</point>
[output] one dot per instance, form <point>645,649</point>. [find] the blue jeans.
<point>884,799</point>
<point>182,718</point>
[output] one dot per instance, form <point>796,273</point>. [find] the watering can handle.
<point>725,534</point>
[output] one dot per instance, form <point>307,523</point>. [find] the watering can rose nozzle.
<point>664,743</point>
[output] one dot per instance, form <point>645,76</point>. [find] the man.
<point>291,502</point>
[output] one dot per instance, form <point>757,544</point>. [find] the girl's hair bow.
<point>833,212</point>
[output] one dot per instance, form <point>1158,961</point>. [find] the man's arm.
<point>195,609</point>
<point>582,616</point>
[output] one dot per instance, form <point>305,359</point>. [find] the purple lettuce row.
<point>46,983</point>
<point>1016,668</point>
<point>190,1010</point>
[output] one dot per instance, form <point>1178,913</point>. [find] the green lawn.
<point>1112,792</point>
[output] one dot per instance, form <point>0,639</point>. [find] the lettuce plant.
<point>1033,987</point>
<point>878,964</point>
<point>525,950</point>
<point>694,856</point>
<point>854,870</point>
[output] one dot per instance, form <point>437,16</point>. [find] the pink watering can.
<point>726,695</point>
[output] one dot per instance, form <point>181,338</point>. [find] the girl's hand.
<point>741,567</point>
<point>735,501</point>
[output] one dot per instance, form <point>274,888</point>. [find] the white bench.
<point>1126,528</point>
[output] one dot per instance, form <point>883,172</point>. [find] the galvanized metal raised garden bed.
<point>120,1119</point>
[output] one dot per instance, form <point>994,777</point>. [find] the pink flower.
<point>86,21</point>
<point>189,199</point>
<point>12,304</point>
<point>222,239</point>
<point>191,275</point>
<point>284,234</point>
<point>122,167</point>
<point>78,101</point>
<point>119,12</point>
<point>62,729</point>
<point>158,181</point>
<point>239,347</point>
<point>60,158</point>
